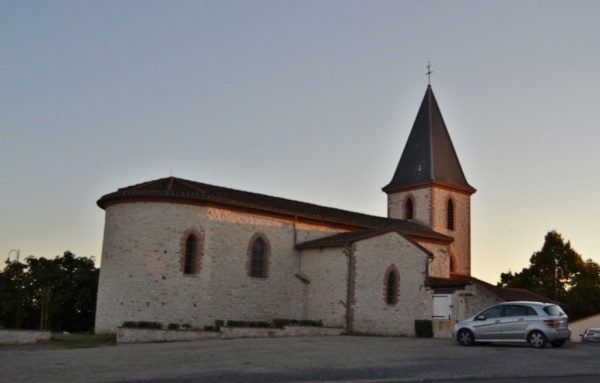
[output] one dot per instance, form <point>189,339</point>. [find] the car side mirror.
<point>481,317</point>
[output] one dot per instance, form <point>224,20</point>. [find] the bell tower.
<point>429,186</point>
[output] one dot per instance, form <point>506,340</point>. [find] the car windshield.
<point>554,311</point>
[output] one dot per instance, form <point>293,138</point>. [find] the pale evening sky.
<point>307,100</point>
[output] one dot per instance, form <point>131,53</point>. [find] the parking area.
<point>296,359</point>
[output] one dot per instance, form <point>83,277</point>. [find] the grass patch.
<point>83,340</point>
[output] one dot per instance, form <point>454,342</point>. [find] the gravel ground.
<point>306,359</point>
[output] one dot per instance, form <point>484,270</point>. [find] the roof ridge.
<point>186,190</point>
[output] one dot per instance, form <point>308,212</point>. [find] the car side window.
<point>511,311</point>
<point>493,312</point>
<point>530,311</point>
<point>516,311</point>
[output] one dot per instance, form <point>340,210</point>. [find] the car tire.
<point>558,343</point>
<point>536,339</point>
<point>465,337</point>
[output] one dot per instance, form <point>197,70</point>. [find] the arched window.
<point>450,218</point>
<point>258,256</point>
<point>191,245</point>
<point>189,265</point>
<point>257,262</point>
<point>408,208</point>
<point>392,282</point>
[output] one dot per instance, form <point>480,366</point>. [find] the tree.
<point>55,294</point>
<point>556,259</point>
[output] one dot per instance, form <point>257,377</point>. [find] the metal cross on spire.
<point>429,72</point>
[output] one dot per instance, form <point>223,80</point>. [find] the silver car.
<point>532,322</point>
<point>591,335</point>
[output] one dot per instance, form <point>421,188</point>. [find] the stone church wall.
<point>460,249</point>
<point>372,314</point>
<point>327,270</point>
<point>421,205</point>
<point>141,277</point>
<point>440,265</point>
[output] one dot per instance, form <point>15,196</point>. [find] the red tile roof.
<point>184,191</point>
<point>507,294</point>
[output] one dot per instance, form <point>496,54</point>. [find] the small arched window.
<point>190,255</point>
<point>450,217</point>
<point>191,248</point>
<point>409,209</point>
<point>392,282</point>
<point>257,261</point>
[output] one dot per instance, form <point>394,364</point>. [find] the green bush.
<point>173,326</point>
<point>311,323</point>
<point>253,324</point>
<point>281,323</point>
<point>142,324</point>
<point>423,328</point>
<point>219,324</point>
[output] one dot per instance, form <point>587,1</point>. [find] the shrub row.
<point>276,323</point>
<point>143,324</point>
<point>281,323</point>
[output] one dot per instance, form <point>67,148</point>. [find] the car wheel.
<point>465,337</point>
<point>536,339</point>
<point>558,343</point>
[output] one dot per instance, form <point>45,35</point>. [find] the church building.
<point>185,252</point>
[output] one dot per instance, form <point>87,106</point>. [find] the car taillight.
<point>550,322</point>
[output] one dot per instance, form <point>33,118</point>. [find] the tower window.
<point>450,218</point>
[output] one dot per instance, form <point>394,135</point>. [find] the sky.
<point>306,100</point>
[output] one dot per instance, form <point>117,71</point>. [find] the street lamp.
<point>557,279</point>
<point>10,252</point>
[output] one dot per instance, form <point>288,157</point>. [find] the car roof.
<point>525,303</point>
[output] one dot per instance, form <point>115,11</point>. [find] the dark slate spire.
<point>429,155</point>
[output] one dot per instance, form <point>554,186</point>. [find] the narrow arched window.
<point>257,261</point>
<point>391,289</point>
<point>450,218</point>
<point>392,281</point>
<point>190,255</point>
<point>409,209</point>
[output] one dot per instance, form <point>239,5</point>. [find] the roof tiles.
<point>185,191</point>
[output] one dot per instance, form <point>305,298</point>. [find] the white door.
<point>442,306</point>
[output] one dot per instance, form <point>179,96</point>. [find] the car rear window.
<point>554,311</point>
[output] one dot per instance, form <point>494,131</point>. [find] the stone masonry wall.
<point>460,249</point>
<point>372,314</point>
<point>327,270</point>
<point>430,209</point>
<point>141,276</point>
<point>440,266</point>
<point>421,205</point>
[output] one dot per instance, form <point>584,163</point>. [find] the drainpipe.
<point>348,252</point>
<point>429,261</point>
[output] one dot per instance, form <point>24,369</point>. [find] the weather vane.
<point>429,72</point>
